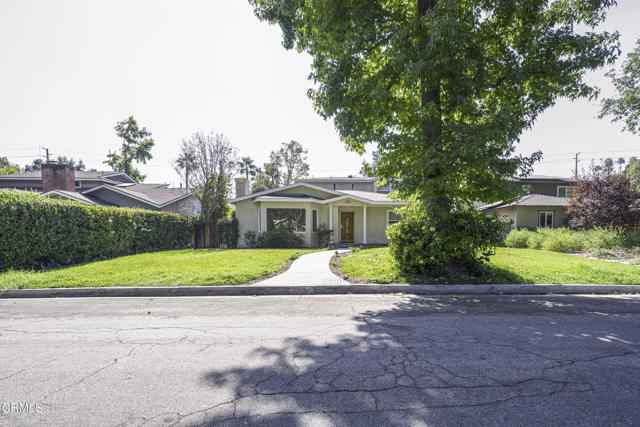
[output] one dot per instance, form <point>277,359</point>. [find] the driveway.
<point>310,360</point>
<point>308,270</point>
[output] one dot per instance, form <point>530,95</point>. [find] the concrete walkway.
<point>308,270</point>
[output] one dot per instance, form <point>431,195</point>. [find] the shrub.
<point>604,238</point>
<point>458,242</point>
<point>538,237</point>
<point>323,236</point>
<point>251,239</point>
<point>280,238</point>
<point>518,238</point>
<point>563,240</point>
<point>38,232</point>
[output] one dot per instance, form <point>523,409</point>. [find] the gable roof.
<point>95,175</point>
<point>530,200</point>
<point>285,187</point>
<point>156,195</point>
<point>70,195</point>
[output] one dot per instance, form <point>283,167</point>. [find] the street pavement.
<point>320,360</point>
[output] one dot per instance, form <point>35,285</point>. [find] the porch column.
<point>330,222</point>
<point>364,224</point>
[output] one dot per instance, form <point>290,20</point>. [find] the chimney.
<point>243,187</point>
<point>56,176</point>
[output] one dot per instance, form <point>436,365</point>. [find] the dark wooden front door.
<point>346,226</point>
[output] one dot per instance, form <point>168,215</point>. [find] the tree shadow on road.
<point>446,360</point>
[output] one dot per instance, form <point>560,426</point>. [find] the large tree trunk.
<point>432,128</point>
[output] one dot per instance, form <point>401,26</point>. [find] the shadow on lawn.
<point>448,360</point>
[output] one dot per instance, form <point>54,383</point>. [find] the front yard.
<point>187,267</point>
<point>507,266</point>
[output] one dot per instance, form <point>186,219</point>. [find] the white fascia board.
<point>286,199</point>
<point>362,199</point>
<point>286,187</point>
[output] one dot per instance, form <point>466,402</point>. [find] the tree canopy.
<point>136,146</point>
<point>443,88</point>
<point>625,104</point>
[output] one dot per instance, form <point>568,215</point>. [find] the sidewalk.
<point>308,270</point>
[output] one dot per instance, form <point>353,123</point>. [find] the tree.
<point>8,168</point>
<point>603,198</point>
<point>632,173</point>
<point>246,166</point>
<point>444,88</point>
<point>292,158</point>
<point>185,163</point>
<point>262,181</point>
<point>625,104</point>
<point>136,146</point>
<point>214,163</point>
<point>36,165</point>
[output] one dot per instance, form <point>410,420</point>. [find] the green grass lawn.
<point>506,266</point>
<point>187,267</point>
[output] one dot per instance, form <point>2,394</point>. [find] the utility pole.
<point>576,174</point>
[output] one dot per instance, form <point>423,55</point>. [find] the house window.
<point>545,219</point>
<point>565,190</point>
<point>78,184</point>
<point>314,220</point>
<point>392,217</point>
<point>294,219</point>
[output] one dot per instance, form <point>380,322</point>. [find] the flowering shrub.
<point>459,242</point>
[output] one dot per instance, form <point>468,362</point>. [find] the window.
<point>565,190</point>
<point>392,217</point>
<point>294,219</point>
<point>545,219</point>
<point>78,184</point>
<point>314,220</point>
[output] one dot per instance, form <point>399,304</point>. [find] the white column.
<point>364,224</point>
<point>330,222</point>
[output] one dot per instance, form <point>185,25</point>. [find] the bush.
<point>518,238</point>
<point>251,239</point>
<point>563,240</point>
<point>39,232</point>
<point>323,236</point>
<point>459,242</point>
<point>604,238</point>
<point>539,236</point>
<point>280,238</point>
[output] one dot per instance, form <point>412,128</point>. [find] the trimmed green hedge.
<point>39,232</point>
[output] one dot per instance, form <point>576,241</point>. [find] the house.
<point>544,205</point>
<point>355,208</point>
<point>107,188</point>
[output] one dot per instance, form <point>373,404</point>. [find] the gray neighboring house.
<point>355,208</point>
<point>545,205</point>
<point>106,188</point>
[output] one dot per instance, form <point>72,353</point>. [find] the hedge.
<point>39,232</point>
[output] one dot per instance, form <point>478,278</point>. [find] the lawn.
<point>187,267</point>
<point>506,266</point>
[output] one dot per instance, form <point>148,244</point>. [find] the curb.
<point>257,290</point>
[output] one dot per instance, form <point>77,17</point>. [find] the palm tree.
<point>185,162</point>
<point>247,167</point>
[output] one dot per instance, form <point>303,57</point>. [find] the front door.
<point>346,226</point>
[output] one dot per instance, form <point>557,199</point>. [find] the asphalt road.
<point>321,360</point>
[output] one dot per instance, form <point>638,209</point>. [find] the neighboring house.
<point>355,209</point>
<point>545,205</point>
<point>106,188</point>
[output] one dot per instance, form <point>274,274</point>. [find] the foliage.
<point>603,199</point>
<point>8,168</point>
<point>506,266</point>
<point>292,158</point>
<point>40,232</point>
<point>251,239</point>
<point>227,232</point>
<point>633,173</point>
<point>323,236</point>
<point>421,250</point>
<point>518,238</point>
<point>563,240</point>
<point>280,238</point>
<point>625,104</point>
<point>190,267</point>
<point>214,162</point>
<point>136,145</point>
<point>262,181</point>
<point>247,167</point>
<point>444,88</point>
<point>36,164</point>
<point>185,163</point>
<point>605,238</point>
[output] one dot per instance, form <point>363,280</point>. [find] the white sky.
<point>69,70</point>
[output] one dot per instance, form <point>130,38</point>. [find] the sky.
<point>71,69</point>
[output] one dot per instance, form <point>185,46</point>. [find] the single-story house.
<point>545,205</point>
<point>355,208</point>
<point>106,188</point>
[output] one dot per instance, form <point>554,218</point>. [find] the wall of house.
<point>377,224</point>
<point>318,194</point>
<point>247,214</point>
<point>508,215</point>
<point>189,206</point>
<point>345,185</point>
<point>547,188</point>
<point>528,215</point>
